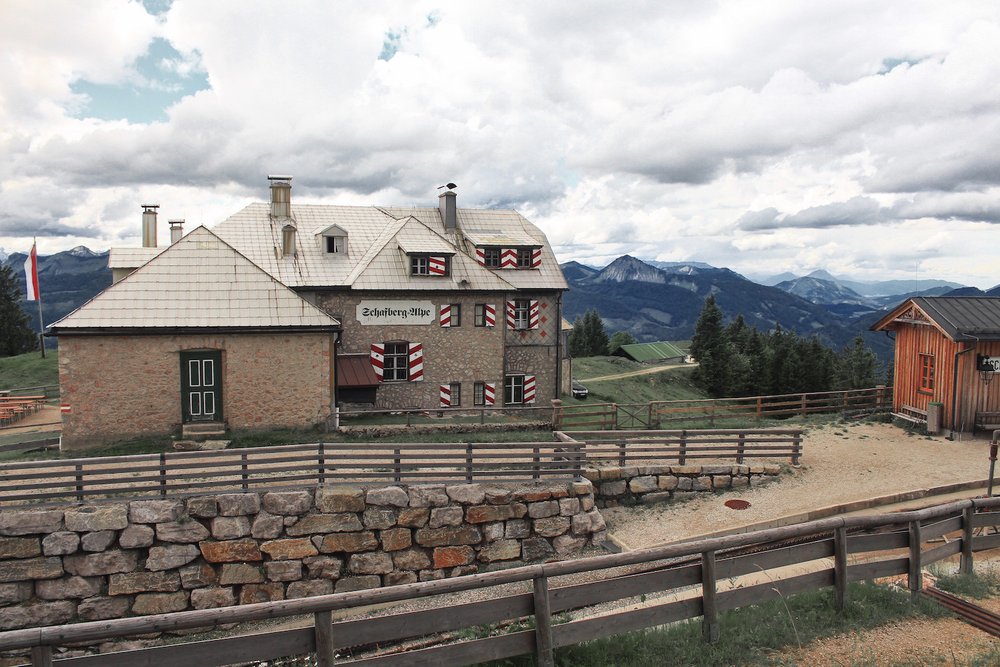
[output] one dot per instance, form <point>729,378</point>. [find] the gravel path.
<point>840,463</point>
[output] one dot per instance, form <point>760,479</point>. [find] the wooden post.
<point>741,446</point>
<point>840,567</point>
<point>323,633</point>
<point>41,656</point>
<point>711,417</point>
<point>163,473</point>
<point>621,453</point>
<point>543,622</point>
<point>914,576</point>
<point>556,414</point>
<point>321,463</point>
<point>468,462</point>
<point>79,482</point>
<point>966,563</point>
<point>649,418</point>
<point>244,469</point>
<point>614,416</point>
<point>682,453</point>
<point>537,458</point>
<point>760,407</point>
<point>397,461</point>
<point>802,403</point>
<point>796,448</point>
<point>710,624</point>
<point>407,417</point>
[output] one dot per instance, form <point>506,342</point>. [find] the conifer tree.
<point>857,366</point>
<point>16,336</point>
<point>712,350</point>
<point>618,339</point>
<point>588,338</point>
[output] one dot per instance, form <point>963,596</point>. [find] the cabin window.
<point>336,244</point>
<point>513,389</point>
<point>396,362</point>
<point>926,366</point>
<point>491,257</point>
<point>524,258</point>
<point>424,265</point>
<point>479,393</point>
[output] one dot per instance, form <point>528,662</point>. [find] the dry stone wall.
<point>631,485</point>
<point>155,556</point>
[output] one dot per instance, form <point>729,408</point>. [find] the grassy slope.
<point>29,370</point>
<point>669,385</point>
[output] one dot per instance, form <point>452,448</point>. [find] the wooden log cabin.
<point>947,351</point>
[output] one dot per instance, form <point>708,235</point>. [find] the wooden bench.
<point>986,421</point>
<point>911,414</point>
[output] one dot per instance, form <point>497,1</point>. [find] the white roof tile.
<point>132,258</point>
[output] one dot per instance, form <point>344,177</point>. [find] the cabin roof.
<point>957,317</point>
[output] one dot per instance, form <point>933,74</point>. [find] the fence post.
<point>966,566</point>
<point>556,414</point>
<point>79,483</point>
<point>840,567</point>
<point>621,453</point>
<point>41,656</point>
<point>163,473</point>
<point>543,622</point>
<point>796,448</point>
<point>682,454</point>
<point>321,463</point>
<point>741,446</point>
<point>710,624</point>
<point>914,577</point>
<point>614,416</point>
<point>802,402</point>
<point>711,416</point>
<point>537,458</point>
<point>880,397</point>
<point>244,468</point>
<point>397,461</point>
<point>323,634</point>
<point>760,407</point>
<point>468,462</point>
<point>649,418</point>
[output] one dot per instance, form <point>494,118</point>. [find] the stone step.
<point>203,429</point>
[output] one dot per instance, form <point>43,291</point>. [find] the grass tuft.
<point>978,586</point>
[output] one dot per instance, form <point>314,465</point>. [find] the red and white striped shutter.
<point>416,362</point>
<point>445,315</point>
<point>536,258</point>
<point>533,315</point>
<point>489,393</point>
<point>529,388</point>
<point>445,395</point>
<point>491,315</point>
<point>508,258</point>
<point>510,315</point>
<point>436,266</point>
<point>481,256</point>
<point>378,359</point>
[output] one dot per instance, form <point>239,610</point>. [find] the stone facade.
<point>631,485</point>
<point>154,556</point>
<point>269,380</point>
<point>463,354</point>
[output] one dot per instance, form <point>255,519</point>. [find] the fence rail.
<point>289,465</point>
<point>682,581</point>
<point>680,446</point>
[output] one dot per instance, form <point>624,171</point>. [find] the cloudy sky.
<point>861,137</point>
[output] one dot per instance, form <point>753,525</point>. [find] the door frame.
<point>186,357</point>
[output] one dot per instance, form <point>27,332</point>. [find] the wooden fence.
<point>611,416</point>
<point>485,414</point>
<point>680,446</point>
<point>286,466</point>
<point>662,585</point>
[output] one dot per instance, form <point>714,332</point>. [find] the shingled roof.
<point>958,317</point>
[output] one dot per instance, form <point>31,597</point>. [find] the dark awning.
<point>355,371</point>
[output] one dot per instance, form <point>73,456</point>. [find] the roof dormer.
<point>333,240</point>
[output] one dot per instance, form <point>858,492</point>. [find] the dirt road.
<point>645,371</point>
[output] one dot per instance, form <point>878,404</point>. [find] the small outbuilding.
<point>660,352</point>
<point>947,351</point>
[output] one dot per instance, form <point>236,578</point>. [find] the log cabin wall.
<point>974,395</point>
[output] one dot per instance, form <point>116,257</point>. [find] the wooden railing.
<point>680,446</point>
<point>608,416</point>
<point>662,585</point>
<point>484,414</point>
<point>176,473</point>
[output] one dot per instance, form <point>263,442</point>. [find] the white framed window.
<point>491,257</point>
<point>522,313</point>
<point>397,362</point>
<point>513,389</point>
<point>335,245</point>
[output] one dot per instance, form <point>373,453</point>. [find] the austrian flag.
<point>31,274</point>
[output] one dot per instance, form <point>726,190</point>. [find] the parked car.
<point>579,391</point>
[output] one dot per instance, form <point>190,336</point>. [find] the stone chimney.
<point>447,205</point>
<point>149,225</point>
<point>176,230</point>
<point>281,196</point>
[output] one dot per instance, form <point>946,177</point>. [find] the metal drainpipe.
<point>954,387</point>
<point>558,391</point>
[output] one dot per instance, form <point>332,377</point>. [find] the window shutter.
<point>445,395</point>
<point>508,258</point>
<point>378,359</point>
<point>529,388</point>
<point>481,256</point>
<point>436,266</point>
<point>416,362</point>
<point>510,315</point>
<point>533,315</point>
<point>489,393</point>
<point>491,314</point>
<point>536,258</point>
<point>445,315</point>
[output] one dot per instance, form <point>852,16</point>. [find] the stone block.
<point>643,484</point>
<point>717,470</point>
<point>287,503</point>
<point>308,589</point>
<point>61,543</point>
<point>106,562</point>
<point>567,545</point>
<point>19,547</point>
<point>448,536</point>
<point>241,573</point>
<point>396,539</point>
<point>155,511</point>
<point>379,517</point>
<point>628,472</point>
<point>487,513</point>
<point>598,539</point>
<point>498,496</point>
<point>582,488</point>
<point>324,523</point>
<point>722,482</point>
<point>98,541</point>
<point>684,484</point>
<point>701,484</point>
<point>399,578</point>
<point>500,550</point>
<point>741,481</point>
<point>96,517</point>
<point>493,531</point>
<point>15,592</point>
<point>359,583</point>
<point>136,536</point>
<point>467,494</point>
<point>667,482</point>
<point>756,469</point>
<point>103,608</point>
<point>230,527</point>
<point>335,500</point>
<point>740,470</point>
<point>592,474</point>
<point>171,556</point>
<point>198,576</point>
<point>346,542</point>
<point>658,497</point>
<point>586,503</point>
<point>267,526</point>
<point>411,559</point>
<point>254,593</point>
<point>370,563</point>
<point>230,551</point>
<point>534,495</point>
<point>551,526</point>
<point>238,504</point>
<point>323,567</point>
<point>569,506</point>
<point>517,528</point>
<point>203,507</point>
<point>37,614</point>
<point>182,532</point>
<point>559,492</point>
<point>159,603</point>
<point>580,524</point>
<point>283,570</point>
<point>536,548</point>
<point>654,470</point>
<point>289,549</point>
<point>426,495</point>
<point>68,587</point>
<point>597,522</point>
<point>392,496</point>
<point>212,597</point>
<point>462,570</point>
<point>446,516</point>
<point>610,474</point>
<point>612,489</point>
<point>453,556</point>
<point>414,517</point>
<point>686,470</point>
<point>772,470</point>
<point>30,522</point>
<point>130,583</point>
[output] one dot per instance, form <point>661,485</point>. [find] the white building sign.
<point>395,312</point>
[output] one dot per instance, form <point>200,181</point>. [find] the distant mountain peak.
<point>627,268</point>
<point>820,274</point>
<point>83,251</point>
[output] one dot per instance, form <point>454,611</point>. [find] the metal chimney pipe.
<point>176,230</point>
<point>281,196</point>
<point>149,225</point>
<point>447,207</point>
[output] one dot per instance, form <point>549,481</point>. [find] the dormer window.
<point>491,257</point>
<point>497,257</point>
<point>333,240</point>
<point>524,258</point>
<point>287,241</point>
<point>428,265</point>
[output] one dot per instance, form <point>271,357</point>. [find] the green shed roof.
<point>652,351</point>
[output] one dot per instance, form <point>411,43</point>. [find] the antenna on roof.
<point>450,186</point>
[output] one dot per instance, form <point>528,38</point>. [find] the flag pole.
<point>41,323</point>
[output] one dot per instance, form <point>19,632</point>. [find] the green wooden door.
<point>201,386</point>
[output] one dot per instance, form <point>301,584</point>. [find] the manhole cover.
<point>736,504</point>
